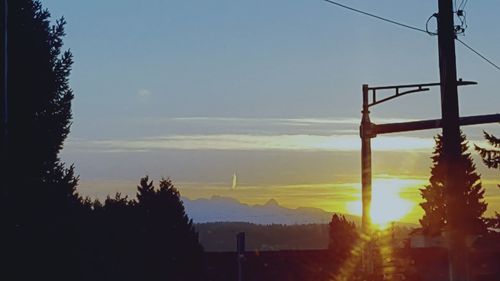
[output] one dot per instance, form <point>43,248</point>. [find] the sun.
<point>387,204</point>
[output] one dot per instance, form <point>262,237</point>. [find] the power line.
<point>377,17</point>
<point>460,6</point>
<point>479,54</point>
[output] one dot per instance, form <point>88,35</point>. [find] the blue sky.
<point>259,58</point>
<point>154,79</point>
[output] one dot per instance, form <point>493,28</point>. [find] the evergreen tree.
<point>435,220</point>
<point>40,206</point>
<point>39,112</point>
<point>169,241</point>
<point>491,157</point>
<point>343,236</point>
<point>39,101</point>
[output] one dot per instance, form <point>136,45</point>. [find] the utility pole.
<point>450,123</point>
<point>369,130</point>
<point>3,92</point>
<point>454,184</point>
<point>366,163</point>
<point>3,75</point>
<point>366,182</point>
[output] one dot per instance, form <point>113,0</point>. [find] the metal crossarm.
<point>413,88</point>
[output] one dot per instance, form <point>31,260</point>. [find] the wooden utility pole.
<point>3,74</point>
<point>454,182</point>
<point>3,92</point>
<point>366,182</point>
<point>366,163</point>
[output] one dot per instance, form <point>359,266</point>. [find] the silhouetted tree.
<point>150,238</point>
<point>169,240</point>
<point>40,206</point>
<point>39,103</point>
<point>435,220</point>
<point>491,157</point>
<point>343,236</point>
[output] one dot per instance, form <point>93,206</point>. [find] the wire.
<point>375,16</point>
<point>461,6</point>
<point>427,25</point>
<point>479,54</point>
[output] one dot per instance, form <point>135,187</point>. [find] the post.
<point>240,252</point>
<point>3,95</point>
<point>366,163</point>
<point>366,180</point>
<point>454,183</point>
<point>3,77</point>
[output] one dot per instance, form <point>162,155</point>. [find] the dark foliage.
<point>150,238</point>
<point>161,214</point>
<point>343,236</point>
<point>40,206</point>
<point>435,220</point>
<point>48,231</point>
<point>491,157</point>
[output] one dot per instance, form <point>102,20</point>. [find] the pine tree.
<point>491,157</point>
<point>39,111</point>
<point>40,205</point>
<point>435,220</point>
<point>170,247</point>
<point>343,236</point>
<point>39,101</point>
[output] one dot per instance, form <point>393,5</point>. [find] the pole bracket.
<point>402,90</point>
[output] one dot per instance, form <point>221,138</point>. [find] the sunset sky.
<point>267,89</point>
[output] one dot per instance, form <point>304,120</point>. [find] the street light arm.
<point>397,88</point>
<point>375,101</point>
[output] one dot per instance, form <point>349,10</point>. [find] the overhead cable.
<point>426,30</point>
<point>479,54</point>
<point>375,16</point>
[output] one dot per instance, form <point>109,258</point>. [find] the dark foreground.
<point>428,264</point>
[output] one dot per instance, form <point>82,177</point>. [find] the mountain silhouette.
<point>226,209</point>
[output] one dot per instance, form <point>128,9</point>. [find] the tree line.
<point>49,232</point>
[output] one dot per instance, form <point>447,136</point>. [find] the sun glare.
<point>387,204</point>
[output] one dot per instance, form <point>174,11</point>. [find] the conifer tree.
<point>40,205</point>
<point>435,220</point>
<point>170,247</point>
<point>342,236</point>
<point>39,95</point>
<point>491,157</point>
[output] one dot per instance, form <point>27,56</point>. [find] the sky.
<point>267,89</point>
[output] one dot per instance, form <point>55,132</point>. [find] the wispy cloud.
<point>144,93</point>
<point>288,121</point>
<point>250,134</point>
<point>257,142</point>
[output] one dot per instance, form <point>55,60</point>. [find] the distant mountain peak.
<point>272,202</point>
<point>224,199</point>
<point>227,209</point>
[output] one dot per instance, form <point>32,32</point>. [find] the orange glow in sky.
<point>387,202</point>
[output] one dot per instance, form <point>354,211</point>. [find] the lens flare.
<point>387,204</point>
